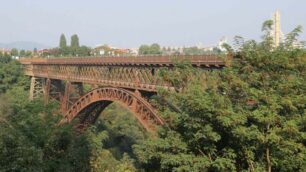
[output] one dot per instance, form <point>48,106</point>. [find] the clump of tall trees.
<point>153,49</point>
<point>65,50</point>
<point>74,49</point>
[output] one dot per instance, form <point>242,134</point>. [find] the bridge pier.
<point>46,88</point>
<point>65,98</point>
<point>36,87</point>
<point>66,93</point>
<point>73,91</point>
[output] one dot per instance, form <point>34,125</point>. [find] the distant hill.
<point>24,45</point>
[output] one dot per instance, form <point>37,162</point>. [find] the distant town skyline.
<point>135,22</point>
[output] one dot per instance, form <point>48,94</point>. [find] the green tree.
<point>35,51</point>
<point>153,49</point>
<point>14,52</point>
<point>75,41</point>
<point>193,51</point>
<point>10,74</point>
<point>4,59</point>
<point>144,50</point>
<point>63,42</point>
<point>28,53</point>
<point>249,116</point>
<point>83,51</point>
<point>63,48</point>
<point>74,45</point>
<point>22,53</point>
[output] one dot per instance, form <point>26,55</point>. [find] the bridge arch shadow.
<point>88,108</point>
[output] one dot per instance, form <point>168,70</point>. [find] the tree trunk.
<point>268,159</point>
<point>251,166</point>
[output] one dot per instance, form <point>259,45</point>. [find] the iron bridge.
<point>129,81</point>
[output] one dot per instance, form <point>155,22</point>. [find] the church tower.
<point>277,29</point>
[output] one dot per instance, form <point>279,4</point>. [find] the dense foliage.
<point>10,74</point>
<point>153,49</point>
<point>251,116</point>
<point>31,140</point>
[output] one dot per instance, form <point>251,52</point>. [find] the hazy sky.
<point>129,23</point>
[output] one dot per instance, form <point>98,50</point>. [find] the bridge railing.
<point>128,60</point>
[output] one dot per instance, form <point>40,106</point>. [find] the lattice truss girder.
<point>146,78</point>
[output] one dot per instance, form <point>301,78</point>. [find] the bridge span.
<point>130,81</point>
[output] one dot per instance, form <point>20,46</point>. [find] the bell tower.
<point>277,30</point>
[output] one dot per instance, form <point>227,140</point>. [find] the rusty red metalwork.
<point>87,115</point>
<point>197,60</point>
<point>125,72</point>
<point>125,80</point>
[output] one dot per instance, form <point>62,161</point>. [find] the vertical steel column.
<point>65,99</point>
<point>73,91</point>
<point>32,88</point>
<point>47,87</point>
<point>36,87</point>
<point>56,91</point>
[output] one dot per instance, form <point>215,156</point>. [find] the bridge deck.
<point>140,73</point>
<point>203,60</point>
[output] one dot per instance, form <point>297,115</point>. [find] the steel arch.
<point>89,107</point>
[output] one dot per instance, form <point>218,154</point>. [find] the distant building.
<point>121,51</point>
<point>218,45</point>
<point>43,52</point>
<point>106,50</point>
<point>101,50</point>
<point>209,48</point>
<point>196,49</point>
<point>134,51</point>
<point>5,51</point>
